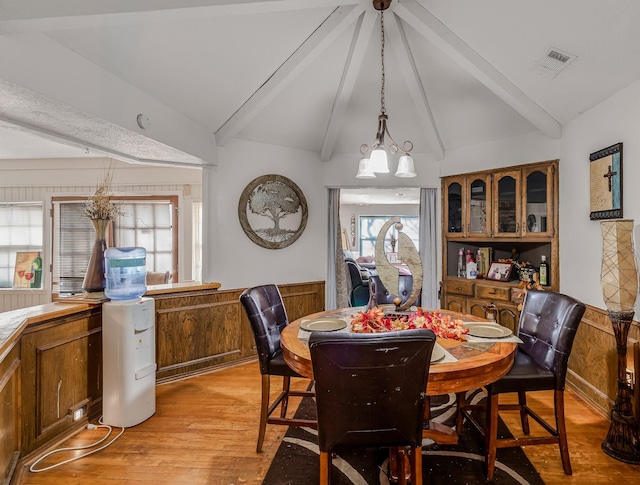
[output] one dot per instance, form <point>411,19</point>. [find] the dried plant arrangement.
<point>98,206</point>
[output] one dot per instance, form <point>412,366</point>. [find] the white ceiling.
<point>298,73</point>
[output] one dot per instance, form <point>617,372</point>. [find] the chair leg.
<point>524,420</point>
<point>325,468</point>
<point>264,411</point>
<point>401,457</point>
<point>461,402</point>
<point>416,465</point>
<point>491,435</point>
<point>562,431</point>
<point>286,384</point>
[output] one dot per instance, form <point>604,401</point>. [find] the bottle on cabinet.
<point>544,271</point>
<point>461,263</point>
<point>480,265</point>
<point>472,268</point>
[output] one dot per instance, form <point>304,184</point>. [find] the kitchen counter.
<point>13,323</point>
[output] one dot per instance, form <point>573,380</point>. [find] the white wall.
<point>616,119</point>
<point>241,263</point>
<point>518,150</point>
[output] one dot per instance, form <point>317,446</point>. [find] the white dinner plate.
<point>438,354</point>
<point>487,330</point>
<point>323,325</point>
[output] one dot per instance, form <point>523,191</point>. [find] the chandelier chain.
<point>382,107</point>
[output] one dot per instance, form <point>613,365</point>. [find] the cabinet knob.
<point>458,288</point>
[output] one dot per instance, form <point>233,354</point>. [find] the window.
<point>370,227</point>
<point>148,222</point>
<point>20,230</point>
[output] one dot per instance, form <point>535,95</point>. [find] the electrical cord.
<point>33,469</point>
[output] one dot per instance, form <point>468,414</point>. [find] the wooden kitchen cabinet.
<point>513,211</point>
<point>61,373</point>
<point>467,206</point>
<point>474,296</point>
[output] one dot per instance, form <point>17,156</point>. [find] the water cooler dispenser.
<point>129,367</point>
<point>128,341</point>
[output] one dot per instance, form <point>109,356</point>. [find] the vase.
<point>94,277</point>
<point>619,281</point>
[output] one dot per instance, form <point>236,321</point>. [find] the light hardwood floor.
<point>205,428</point>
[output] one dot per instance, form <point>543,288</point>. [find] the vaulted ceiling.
<point>74,76</point>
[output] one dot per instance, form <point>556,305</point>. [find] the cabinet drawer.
<point>460,287</point>
<point>493,293</point>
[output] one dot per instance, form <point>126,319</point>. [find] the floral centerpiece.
<point>375,320</point>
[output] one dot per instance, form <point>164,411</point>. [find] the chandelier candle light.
<point>377,163</point>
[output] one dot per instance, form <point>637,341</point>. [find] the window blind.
<point>20,230</point>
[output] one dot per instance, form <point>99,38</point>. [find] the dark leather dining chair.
<point>359,294</point>
<point>370,392</point>
<point>383,296</point>
<point>267,315</point>
<point>547,327</point>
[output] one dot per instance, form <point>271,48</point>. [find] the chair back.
<point>267,316</point>
<point>370,388</point>
<point>547,327</point>
<point>155,278</point>
<point>384,297</point>
<point>355,276</point>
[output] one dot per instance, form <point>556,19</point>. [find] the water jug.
<point>125,273</point>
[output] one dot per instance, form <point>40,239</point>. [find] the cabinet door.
<point>477,308</point>
<point>453,206</point>
<point>478,216</point>
<point>508,316</point>
<point>538,201</point>
<point>456,303</point>
<point>506,203</point>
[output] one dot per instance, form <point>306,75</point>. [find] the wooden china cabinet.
<point>511,212</point>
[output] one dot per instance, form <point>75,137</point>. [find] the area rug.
<point>297,459</point>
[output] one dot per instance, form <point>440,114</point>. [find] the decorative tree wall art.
<point>272,211</point>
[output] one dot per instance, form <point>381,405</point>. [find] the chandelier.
<point>374,158</point>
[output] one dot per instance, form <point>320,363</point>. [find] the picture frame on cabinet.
<point>605,168</point>
<point>499,271</point>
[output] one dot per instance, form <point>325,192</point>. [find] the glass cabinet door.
<point>507,204</point>
<point>478,223</point>
<point>537,203</point>
<point>453,207</point>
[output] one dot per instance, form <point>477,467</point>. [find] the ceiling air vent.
<point>554,61</point>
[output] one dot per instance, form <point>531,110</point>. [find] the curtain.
<point>428,247</point>
<point>336,289</point>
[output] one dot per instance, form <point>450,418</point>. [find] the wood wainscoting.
<point>593,365</point>
<point>202,330</point>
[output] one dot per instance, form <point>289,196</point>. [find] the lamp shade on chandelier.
<point>378,162</point>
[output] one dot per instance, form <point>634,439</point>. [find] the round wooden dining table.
<point>478,363</point>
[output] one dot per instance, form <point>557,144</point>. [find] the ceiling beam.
<point>416,90</point>
<point>359,43</point>
<point>339,20</point>
<point>440,35</point>
<point>70,87</point>
<point>44,15</point>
